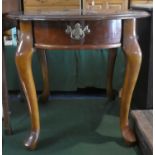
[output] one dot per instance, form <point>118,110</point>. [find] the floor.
<point>70,126</point>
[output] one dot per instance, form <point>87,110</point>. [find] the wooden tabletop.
<point>143,120</point>
<point>76,15</point>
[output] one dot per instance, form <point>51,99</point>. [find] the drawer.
<point>47,5</point>
<point>142,2</point>
<point>107,4</point>
<point>54,35</point>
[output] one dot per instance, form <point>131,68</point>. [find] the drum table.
<point>74,29</point>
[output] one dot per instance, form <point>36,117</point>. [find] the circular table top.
<point>66,15</point>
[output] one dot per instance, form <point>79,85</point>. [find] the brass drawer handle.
<point>77,33</point>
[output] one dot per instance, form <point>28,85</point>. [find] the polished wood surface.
<point>143,127</point>
<point>106,5</point>
<point>105,36</point>
<point>133,62</point>
<point>44,68</point>
<point>23,63</point>
<point>141,2</point>
<point>75,15</point>
<point>110,71</point>
<point>106,31</point>
<point>7,6</point>
<point>11,5</point>
<point>47,5</point>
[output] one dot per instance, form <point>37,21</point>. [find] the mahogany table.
<point>76,29</point>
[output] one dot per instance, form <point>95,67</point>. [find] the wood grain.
<point>44,5</point>
<point>111,64</point>
<point>101,33</point>
<point>48,32</point>
<point>133,56</point>
<point>107,5</point>
<point>143,126</point>
<point>44,69</point>
<point>23,63</point>
<point>47,5</point>
<point>9,5</point>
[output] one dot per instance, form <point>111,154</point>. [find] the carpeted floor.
<point>76,126</point>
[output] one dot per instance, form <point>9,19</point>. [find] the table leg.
<point>111,64</point>
<point>133,55</point>
<point>23,63</point>
<point>44,68</point>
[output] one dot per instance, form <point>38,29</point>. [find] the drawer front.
<point>90,34</point>
<point>47,5</point>
<point>141,2</point>
<point>107,4</point>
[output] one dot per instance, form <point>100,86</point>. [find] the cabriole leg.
<point>23,63</point>
<point>133,55</point>
<point>111,64</point>
<point>44,68</point>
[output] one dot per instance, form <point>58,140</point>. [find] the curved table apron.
<point>87,31</point>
